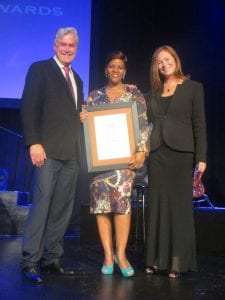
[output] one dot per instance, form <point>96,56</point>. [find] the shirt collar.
<point>59,63</point>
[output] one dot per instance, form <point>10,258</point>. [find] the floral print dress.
<point>110,191</point>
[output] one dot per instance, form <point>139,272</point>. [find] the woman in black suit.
<point>178,147</point>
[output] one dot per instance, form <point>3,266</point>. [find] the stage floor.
<point>88,283</point>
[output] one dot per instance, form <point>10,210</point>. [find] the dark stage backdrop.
<point>196,29</point>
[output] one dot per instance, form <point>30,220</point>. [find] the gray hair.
<point>65,30</point>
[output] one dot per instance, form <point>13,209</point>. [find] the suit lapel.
<point>156,104</point>
<point>79,89</point>
<point>62,79</point>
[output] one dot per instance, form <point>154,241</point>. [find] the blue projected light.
<point>27,35</point>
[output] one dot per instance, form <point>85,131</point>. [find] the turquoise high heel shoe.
<point>126,272</point>
<point>107,270</point>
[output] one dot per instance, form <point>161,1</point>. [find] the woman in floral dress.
<point>111,190</point>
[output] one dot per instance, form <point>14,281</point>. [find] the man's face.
<point>66,48</point>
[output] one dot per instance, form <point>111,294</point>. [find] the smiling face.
<point>166,64</point>
<point>66,48</point>
<point>115,71</point>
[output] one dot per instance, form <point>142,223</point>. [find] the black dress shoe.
<point>32,275</point>
<point>57,269</point>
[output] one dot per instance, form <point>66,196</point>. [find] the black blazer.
<point>49,115</point>
<point>184,126</point>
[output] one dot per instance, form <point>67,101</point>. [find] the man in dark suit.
<point>51,103</point>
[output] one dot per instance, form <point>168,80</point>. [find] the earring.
<point>106,75</point>
<point>124,76</point>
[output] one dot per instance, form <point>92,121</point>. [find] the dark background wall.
<point>196,29</point>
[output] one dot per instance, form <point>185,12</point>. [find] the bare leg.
<point>105,232</point>
<point>122,229</point>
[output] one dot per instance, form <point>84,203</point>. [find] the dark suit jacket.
<point>184,126</point>
<point>49,114</point>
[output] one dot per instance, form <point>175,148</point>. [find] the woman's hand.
<point>137,160</point>
<point>200,168</point>
<point>83,115</point>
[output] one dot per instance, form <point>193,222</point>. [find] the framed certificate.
<point>111,133</point>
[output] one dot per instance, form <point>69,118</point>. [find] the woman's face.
<point>115,71</point>
<point>166,63</point>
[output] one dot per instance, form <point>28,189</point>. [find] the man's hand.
<point>37,155</point>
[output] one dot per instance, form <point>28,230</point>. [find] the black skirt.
<point>170,241</point>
